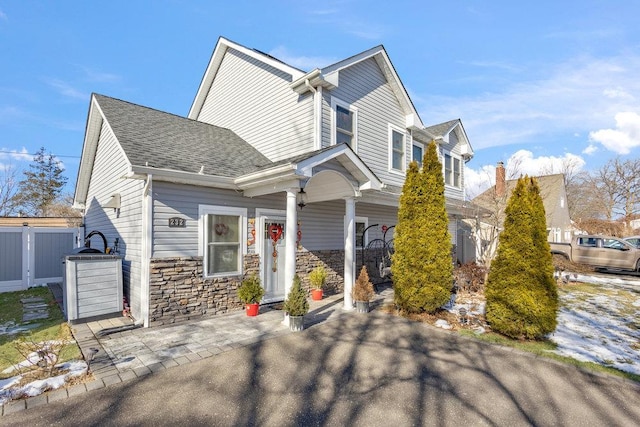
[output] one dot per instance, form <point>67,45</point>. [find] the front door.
<point>273,258</point>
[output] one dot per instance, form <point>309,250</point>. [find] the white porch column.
<point>349,251</point>
<point>290,241</point>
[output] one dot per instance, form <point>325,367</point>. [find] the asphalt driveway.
<point>374,370</point>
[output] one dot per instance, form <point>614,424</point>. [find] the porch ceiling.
<point>328,185</point>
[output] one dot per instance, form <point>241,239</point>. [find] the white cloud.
<point>573,97</point>
<point>3,16</point>
<point>21,155</point>
<point>9,113</point>
<point>591,149</point>
<point>477,181</point>
<point>96,76</point>
<point>617,93</point>
<point>66,89</point>
<point>624,138</point>
<point>522,162</point>
<point>324,12</point>
<point>301,62</point>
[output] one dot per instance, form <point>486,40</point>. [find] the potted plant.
<point>296,305</point>
<point>363,291</point>
<point>251,292</point>
<point>317,279</point>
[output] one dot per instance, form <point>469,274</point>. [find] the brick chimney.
<point>501,183</point>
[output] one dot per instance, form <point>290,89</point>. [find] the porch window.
<point>344,123</point>
<point>396,149</point>
<point>223,232</point>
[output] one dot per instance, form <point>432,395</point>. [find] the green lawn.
<point>52,328</point>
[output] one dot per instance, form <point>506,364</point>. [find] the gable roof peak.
<point>222,47</point>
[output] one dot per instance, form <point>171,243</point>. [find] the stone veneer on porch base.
<point>178,291</point>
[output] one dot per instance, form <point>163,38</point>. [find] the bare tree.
<point>8,185</point>
<point>618,187</point>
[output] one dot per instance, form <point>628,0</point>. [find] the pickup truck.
<point>600,251</point>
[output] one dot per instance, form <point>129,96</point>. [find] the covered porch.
<point>330,174</point>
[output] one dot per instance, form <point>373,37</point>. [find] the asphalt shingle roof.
<point>439,129</point>
<point>158,139</point>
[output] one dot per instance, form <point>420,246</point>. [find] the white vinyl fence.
<point>32,256</point>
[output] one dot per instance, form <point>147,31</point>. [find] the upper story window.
<point>396,149</point>
<point>345,123</point>
<point>452,169</point>
<point>222,234</point>
<point>417,153</point>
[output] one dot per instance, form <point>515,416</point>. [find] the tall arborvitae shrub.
<point>422,268</point>
<point>521,294</point>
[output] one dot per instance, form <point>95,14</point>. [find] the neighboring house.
<point>274,171</point>
<point>494,201</point>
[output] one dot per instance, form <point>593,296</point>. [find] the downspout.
<point>147,221</point>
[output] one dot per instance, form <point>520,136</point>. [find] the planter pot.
<point>362,306</point>
<point>296,323</point>
<point>316,294</point>
<point>252,309</point>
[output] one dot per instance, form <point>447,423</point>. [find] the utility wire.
<point>33,154</point>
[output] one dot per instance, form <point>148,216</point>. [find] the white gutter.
<point>141,172</point>
<point>282,170</point>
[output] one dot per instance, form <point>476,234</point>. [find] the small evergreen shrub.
<point>363,288</point>
<point>251,291</point>
<point>296,303</point>
<point>318,277</point>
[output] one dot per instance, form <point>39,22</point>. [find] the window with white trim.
<point>344,124</point>
<point>223,231</point>
<point>396,149</point>
<point>452,169</point>
<point>417,153</point>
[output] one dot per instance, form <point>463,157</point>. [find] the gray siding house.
<point>493,202</point>
<point>274,171</point>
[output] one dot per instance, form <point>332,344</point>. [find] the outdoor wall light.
<point>302,198</point>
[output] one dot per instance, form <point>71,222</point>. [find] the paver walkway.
<point>118,352</point>
<point>142,350</point>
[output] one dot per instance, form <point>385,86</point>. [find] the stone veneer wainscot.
<point>179,292</point>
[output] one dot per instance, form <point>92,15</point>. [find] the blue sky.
<point>542,82</point>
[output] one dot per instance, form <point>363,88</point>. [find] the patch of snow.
<point>33,358</point>
<point>594,330</point>
<point>479,330</point>
<point>8,391</point>
<point>441,323</point>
